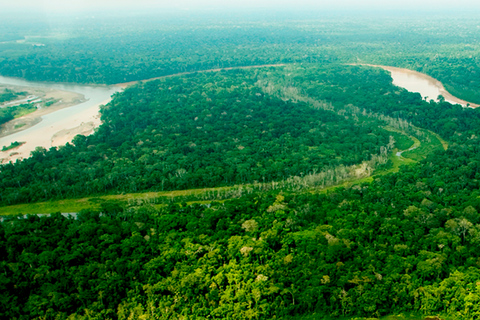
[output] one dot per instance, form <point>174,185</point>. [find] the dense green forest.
<point>203,130</point>
<point>117,49</point>
<point>408,241</point>
<point>404,242</point>
<point>360,88</point>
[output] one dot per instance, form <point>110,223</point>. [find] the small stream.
<point>399,153</point>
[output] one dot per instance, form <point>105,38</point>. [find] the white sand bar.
<point>61,126</point>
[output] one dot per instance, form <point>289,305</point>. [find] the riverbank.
<point>75,110</point>
<point>60,128</point>
<point>415,81</point>
<point>61,99</point>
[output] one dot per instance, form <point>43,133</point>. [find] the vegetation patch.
<point>9,95</point>
<point>10,113</point>
<point>13,145</point>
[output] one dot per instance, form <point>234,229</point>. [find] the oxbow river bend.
<point>428,87</point>
<point>88,112</point>
<point>68,118</point>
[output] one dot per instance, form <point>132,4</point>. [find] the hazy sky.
<point>69,5</point>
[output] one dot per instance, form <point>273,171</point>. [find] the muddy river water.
<point>428,87</point>
<point>83,115</point>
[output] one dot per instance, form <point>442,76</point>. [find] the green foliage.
<point>406,242</point>
<point>203,130</point>
<point>9,95</point>
<point>347,252</point>
<point>398,244</point>
<point>10,113</point>
<point>12,145</point>
<point>368,92</point>
<point>159,44</point>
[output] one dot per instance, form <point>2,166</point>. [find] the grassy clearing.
<point>156,199</point>
<point>24,111</point>
<point>346,184</point>
<point>427,143</point>
<point>403,141</point>
<point>396,162</point>
<point>417,148</point>
<point>443,142</point>
<point>69,205</point>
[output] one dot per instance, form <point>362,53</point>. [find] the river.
<point>59,121</point>
<point>428,87</point>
